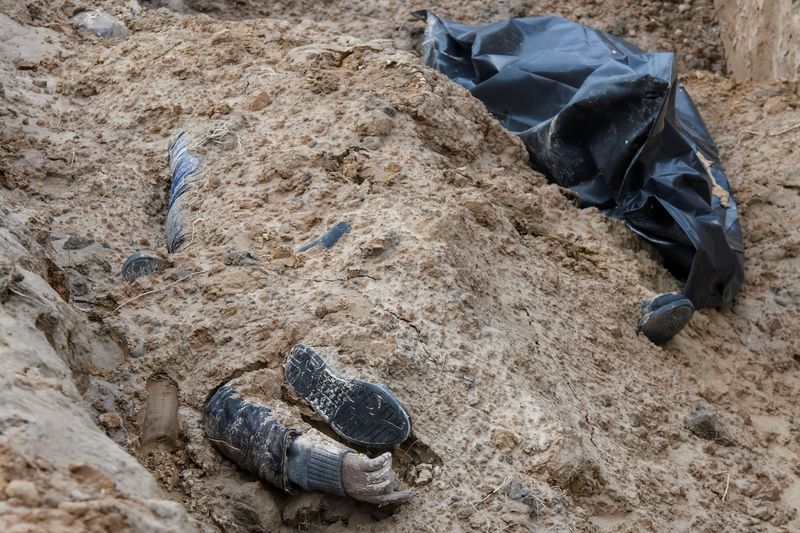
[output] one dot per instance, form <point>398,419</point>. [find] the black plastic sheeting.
<point>183,167</point>
<point>609,121</point>
<point>330,238</point>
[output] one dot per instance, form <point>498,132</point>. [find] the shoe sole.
<point>665,322</point>
<point>360,412</point>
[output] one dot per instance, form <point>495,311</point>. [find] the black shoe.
<point>665,316</point>
<point>362,413</point>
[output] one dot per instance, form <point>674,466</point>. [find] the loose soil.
<point>502,315</point>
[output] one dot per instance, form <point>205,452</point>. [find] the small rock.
<point>763,512</point>
<point>774,105</point>
<point>24,64</point>
<point>519,492</point>
<point>42,84</point>
<point>682,8</point>
<point>424,474</point>
<point>465,511</point>
<point>617,27</point>
<point>221,36</point>
<point>76,508</point>
<point>262,100</point>
<point>301,509</point>
<point>72,7</point>
<point>322,311</point>
<point>280,252</point>
<point>77,242</point>
<point>239,258</point>
<point>371,143</point>
<point>615,331</point>
<point>100,23</point>
<point>222,108</point>
<point>504,440</point>
<point>377,124</point>
<point>705,424</point>
<point>25,491</point>
<point>110,420</point>
<point>378,245</point>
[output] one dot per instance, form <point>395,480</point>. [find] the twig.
<point>634,376</point>
<point>727,484</point>
<point>217,134</point>
<point>500,486</point>
<point>33,297</point>
<point>512,524</point>
<point>769,134</point>
<point>198,219</point>
<point>165,287</point>
<point>21,295</point>
<point>787,130</point>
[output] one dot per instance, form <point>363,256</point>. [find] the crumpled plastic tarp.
<point>609,121</point>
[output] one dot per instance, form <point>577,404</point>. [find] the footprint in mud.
<point>159,421</point>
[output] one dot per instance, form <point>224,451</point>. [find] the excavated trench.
<point>466,283</point>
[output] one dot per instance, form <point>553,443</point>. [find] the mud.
<point>503,316</point>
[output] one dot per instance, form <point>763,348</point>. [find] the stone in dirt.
<point>23,490</point>
<point>240,258</point>
<point>704,423</point>
<point>100,23</point>
<point>76,242</point>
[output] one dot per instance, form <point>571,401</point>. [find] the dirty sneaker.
<point>664,316</point>
<point>362,413</point>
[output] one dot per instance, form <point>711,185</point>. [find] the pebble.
<point>465,511</point>
<point>110,420</point>
<point>221,37</point>
<point>705,424</point>
<point>371,143</point>
<point>262,100</point>
<point>774,105</point>
<point>239,258</point>
<point>100,23</point>
<point>424,474</point>
<point>23,490</point>
<point>77,242</point>
<point>504,440</point>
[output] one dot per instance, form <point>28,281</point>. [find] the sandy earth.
<point>498,312</point>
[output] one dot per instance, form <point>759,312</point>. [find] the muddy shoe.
<point>665,316</point>
<point>362,413</point>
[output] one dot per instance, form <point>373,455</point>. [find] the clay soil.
<point>502,315</point>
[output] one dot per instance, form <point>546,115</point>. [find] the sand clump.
<point>502,315</point>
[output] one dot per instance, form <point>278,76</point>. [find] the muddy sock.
<point>315,463</point>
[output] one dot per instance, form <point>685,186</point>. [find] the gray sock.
<point>315,462</point>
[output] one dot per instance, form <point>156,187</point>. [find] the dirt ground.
<point>502,315</point>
